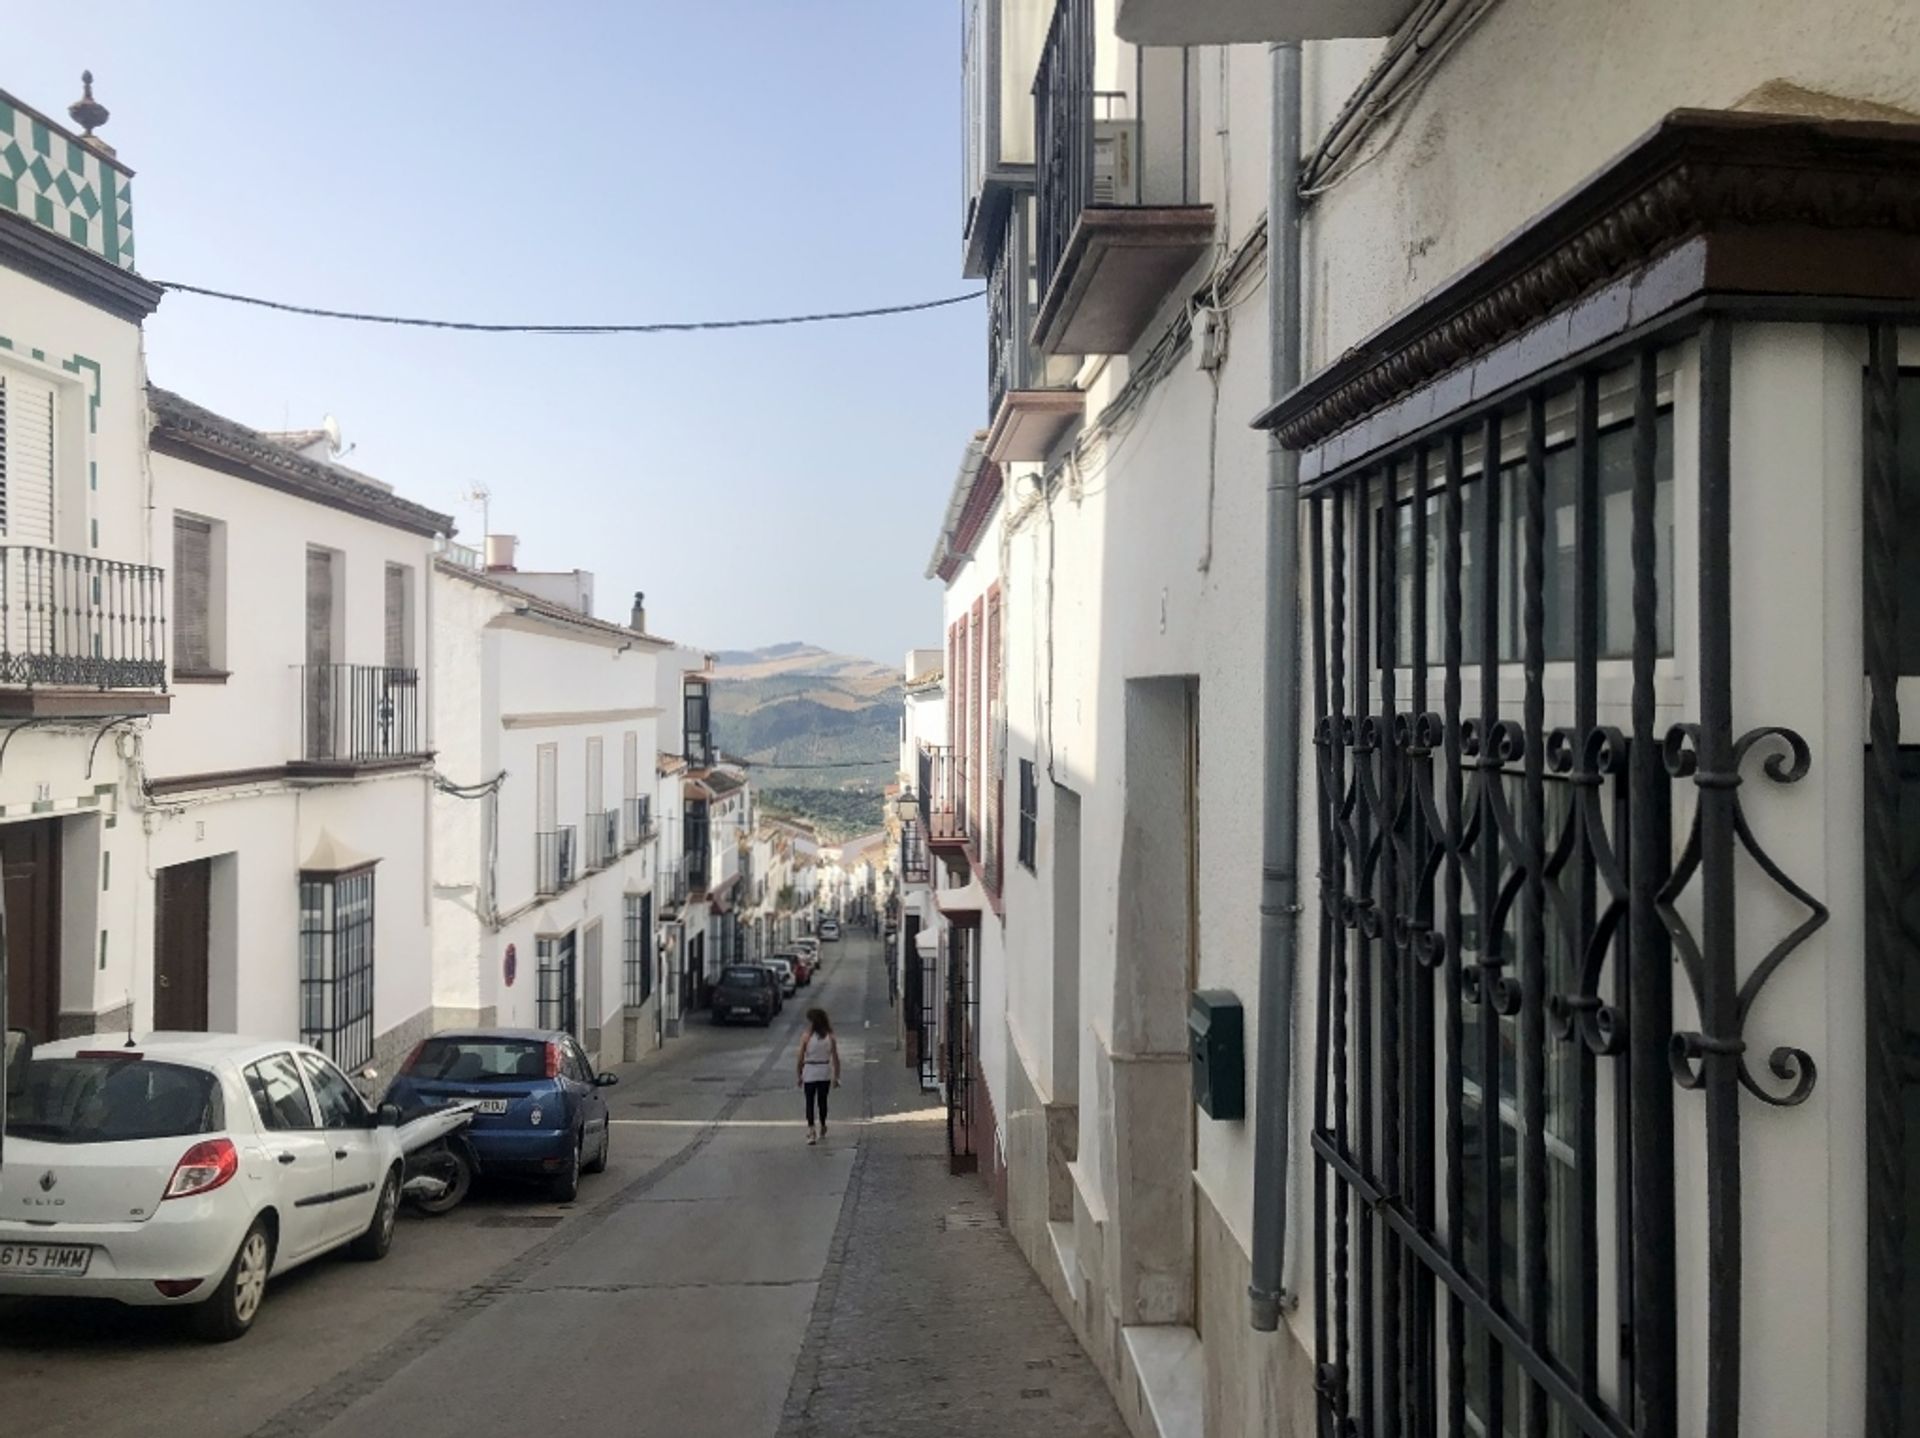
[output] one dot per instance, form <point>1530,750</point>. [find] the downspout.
<point>1280,827</point>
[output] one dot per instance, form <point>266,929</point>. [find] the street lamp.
<point>906,808</point>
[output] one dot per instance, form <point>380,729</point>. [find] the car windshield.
<point>109,1099</point>
<point>477,1059</point>
<point>744,978</point>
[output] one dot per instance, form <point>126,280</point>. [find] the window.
<point>479,1060</point>
<point>1907,570</point>
<point>399,616</point>
<point>27,412</point>
<point>94,1098</point>
<point>340,1106</point>
<point>199,551</point>
<point>336,965</point>
<point>555,982</point>
<point>1029,813</point>
<point>638,955</point>
<point>278,1094</point>
<point>992,843</point>
<point>698,746</point>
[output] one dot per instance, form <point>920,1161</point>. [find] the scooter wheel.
<point>454,1171</point>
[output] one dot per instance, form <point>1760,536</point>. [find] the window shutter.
<point>319,606</point>
<point>192,593</point>
<point>397,616</point>
<point>26,459</point>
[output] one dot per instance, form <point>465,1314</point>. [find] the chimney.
<point>500,549</point>
<point>640,610</point>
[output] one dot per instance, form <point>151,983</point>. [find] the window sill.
<point>201,676</point>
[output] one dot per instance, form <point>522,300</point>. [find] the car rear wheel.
<point>566,1183</point>
<point>230,1311</point>
<point>599,1164</point>
<point>372,1246</point>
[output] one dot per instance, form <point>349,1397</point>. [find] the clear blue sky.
<point>588,161</point>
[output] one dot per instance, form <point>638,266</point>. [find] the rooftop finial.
<point>89,114</point>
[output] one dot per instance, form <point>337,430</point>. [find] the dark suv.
<point>745,992</point>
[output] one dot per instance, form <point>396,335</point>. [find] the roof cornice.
<point>43,256</point>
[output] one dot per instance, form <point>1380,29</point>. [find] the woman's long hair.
<point>822,1025</point>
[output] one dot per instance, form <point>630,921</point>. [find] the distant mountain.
<point>811,721</point>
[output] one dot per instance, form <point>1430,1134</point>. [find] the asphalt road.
<point>671,1298</point>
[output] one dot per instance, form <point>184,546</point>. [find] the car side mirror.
<point>605,1080</point>
<point>387,1115</point>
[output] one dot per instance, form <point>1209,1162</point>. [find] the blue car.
<point>541,1112</point>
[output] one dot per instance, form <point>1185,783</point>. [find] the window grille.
<point>1029,814</point>
<point>638,953</point>
<point>336,965</point>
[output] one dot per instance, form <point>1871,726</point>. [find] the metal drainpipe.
<point>1279,867</point>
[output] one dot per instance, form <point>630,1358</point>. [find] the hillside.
<point>820,729</point>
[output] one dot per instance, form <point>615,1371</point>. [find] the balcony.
<point>1000,42</point>
<point>914,867</point>
<point>1117,180</point>
<point>1237,22</point>
<point>553,860</point>
<point>358,716</point>
<point>1031,401</point>
<point>637,821</point>
<point>603,838</point>
<point>943,796</point>
<point>79,636</point>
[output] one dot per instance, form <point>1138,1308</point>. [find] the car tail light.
<point>176,1287</point>
<point>203,1168</point>
<point>553,1060</point>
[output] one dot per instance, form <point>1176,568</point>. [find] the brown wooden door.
<point>30,861</point>
<point>180,912</point>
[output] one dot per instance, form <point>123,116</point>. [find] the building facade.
<point>1522,825</point>
<point>545,828</point>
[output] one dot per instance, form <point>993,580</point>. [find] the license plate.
<point>741,1009</point>
<point>71,1260</point>
<point>482,1105</point>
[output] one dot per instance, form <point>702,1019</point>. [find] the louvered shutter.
<point>397,616</point>
<point>27,411</point>
<point>192,593</point>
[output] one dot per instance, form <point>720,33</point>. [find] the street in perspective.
<point>1031,718</point>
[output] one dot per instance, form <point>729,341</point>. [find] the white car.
<point>187,1169</point>
<point>783,969</point>
<point>830,930</point>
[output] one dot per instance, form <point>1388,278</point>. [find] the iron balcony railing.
<point>1063,106</point>
<point>980,101</point>
<point>637,821</point>
<point>943,793</point>
<point>670,884</point>
<point>554,858</point>
<point>603,838</point>
<point>1010,358</point>
<point>358,713</point>
<point>74,621</point>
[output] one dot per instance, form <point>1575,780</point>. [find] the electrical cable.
<point>654,327</point>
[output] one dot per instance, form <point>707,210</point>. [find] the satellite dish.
<point>331,428</point>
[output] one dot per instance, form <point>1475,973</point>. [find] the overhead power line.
<point>649,328</point>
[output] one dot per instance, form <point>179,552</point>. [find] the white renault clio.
<point>187,1169</point>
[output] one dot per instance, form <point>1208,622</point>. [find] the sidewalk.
<point>928,1321</point>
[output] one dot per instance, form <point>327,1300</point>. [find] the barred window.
<point>555,981</point>
<point>638,954</point>
<point>1029,813</point>
<point>336,965</point>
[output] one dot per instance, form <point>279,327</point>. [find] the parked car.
<point>779,983</point>
<point>746,993</point>
<point>830,931</point>
<point>538,1109</point>
<point>802,966</point>
<point>783,968</point>
<point>121,1169</point>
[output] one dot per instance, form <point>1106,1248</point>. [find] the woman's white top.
<point>816,1059</point>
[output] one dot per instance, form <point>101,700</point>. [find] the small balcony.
<point>1117,180</point>
<point>636,822</point>
<point>1031,400</point>
<point>943,796</point>
<point>999,43</point>
<point>603,838</point>
<point>358,716</point>
<point>554,858</point>
<point>80,636</point>
<point>1243,22</point>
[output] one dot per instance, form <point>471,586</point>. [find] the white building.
<point>545,825</point>
<point>82,587</point>
<point>1680,338</point>
<point>285,801</point>
<point>923,734</point>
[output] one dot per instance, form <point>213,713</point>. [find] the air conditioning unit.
<point>1115,164</point>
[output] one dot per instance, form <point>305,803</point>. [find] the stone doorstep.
<point>1169,1378</point>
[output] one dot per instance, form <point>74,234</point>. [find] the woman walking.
<point>819,1068</point>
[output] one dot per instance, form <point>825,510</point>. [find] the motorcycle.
<point>438,1158</point>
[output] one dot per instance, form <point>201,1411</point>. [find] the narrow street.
<point>716,1259</point>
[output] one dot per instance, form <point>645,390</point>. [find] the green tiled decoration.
<point>65,187</point>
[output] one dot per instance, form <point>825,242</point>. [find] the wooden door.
<point>30,862</point>
<point>180,921</point>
